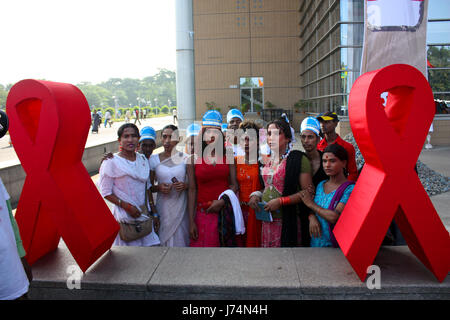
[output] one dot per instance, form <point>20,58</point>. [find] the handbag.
<point>138,229</point>
<point>333,204</point>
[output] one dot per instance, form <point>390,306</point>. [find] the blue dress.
<point>323,200</point>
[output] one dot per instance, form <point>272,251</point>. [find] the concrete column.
<point>185,63</point>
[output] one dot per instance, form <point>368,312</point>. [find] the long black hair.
<point>338,150</point>
<point>282,125</point>
<point>127,125</point>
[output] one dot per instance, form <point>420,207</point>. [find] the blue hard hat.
<point>192,130</point>
<point>212,118</point>
<point>310,123</point>
<point>224,127</point>
<point>234,113</point>
<point>147,133</point>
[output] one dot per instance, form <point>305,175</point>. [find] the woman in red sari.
<point>208,178</point>
<point>248,176</point>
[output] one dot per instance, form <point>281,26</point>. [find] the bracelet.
<point>120,203</point>
<point>155,215</point>
<point>285,201</point>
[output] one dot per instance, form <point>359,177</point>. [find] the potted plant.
<point>258,109</point>
<point>269,105</point>
<point>300,105</point>
<point>210,105</point>
<point>245,107</point>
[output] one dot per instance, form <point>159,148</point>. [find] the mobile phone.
<point>174,180</point>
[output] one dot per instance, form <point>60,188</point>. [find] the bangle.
<point>285,201</point>
<point>120,203</point>
<point>155,215</point>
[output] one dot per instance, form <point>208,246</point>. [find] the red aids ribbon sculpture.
<point>49,125</point>
<point>391,139</point>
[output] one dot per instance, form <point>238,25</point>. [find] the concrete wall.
<point>245,39</point>
<point>234,274</point>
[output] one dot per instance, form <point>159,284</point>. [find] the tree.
<point>3,96</point>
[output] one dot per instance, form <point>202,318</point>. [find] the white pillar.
<point>185,63</point>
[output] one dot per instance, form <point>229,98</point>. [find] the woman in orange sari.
<point>248,176</point>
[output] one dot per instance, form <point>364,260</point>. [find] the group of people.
<point>227,189</point>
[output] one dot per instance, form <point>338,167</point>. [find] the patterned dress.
<point>274,175</point>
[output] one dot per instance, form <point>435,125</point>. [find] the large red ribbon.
<point>391,139</point>
<point>49,125</point>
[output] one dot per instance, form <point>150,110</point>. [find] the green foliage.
<point>3,96</point>
<point>155,90</point>
<point>244,107</point>
<point>301,104</point>
<point>257,107</point>
<point>211,105</point>
<point>269,105</point>
<point>439,79</point>
<point>165,109</point>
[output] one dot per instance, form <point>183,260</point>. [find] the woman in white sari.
<point>169,170</point>
<point>124,181</point>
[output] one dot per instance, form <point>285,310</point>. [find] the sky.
<point>85,40</point>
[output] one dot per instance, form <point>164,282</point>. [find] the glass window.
<point>253,82</point>
<point>438,32</point>
<point>439,56</point>
<point>439,80</point>
<point>352,10</point>
<point>352,34</point>
<point>252,93</point>
<point>438,9</point>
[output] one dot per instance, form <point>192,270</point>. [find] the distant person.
<point>108,117</point>
<point>175,115</point>
<point>328,123</point>
<point>127,116</point>
<point>99,112</point>
<point>136,115</point>
<point>96,123</point>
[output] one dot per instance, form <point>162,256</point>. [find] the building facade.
<point>279,52</point>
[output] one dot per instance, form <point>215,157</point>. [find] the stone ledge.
<point>234,274</point>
